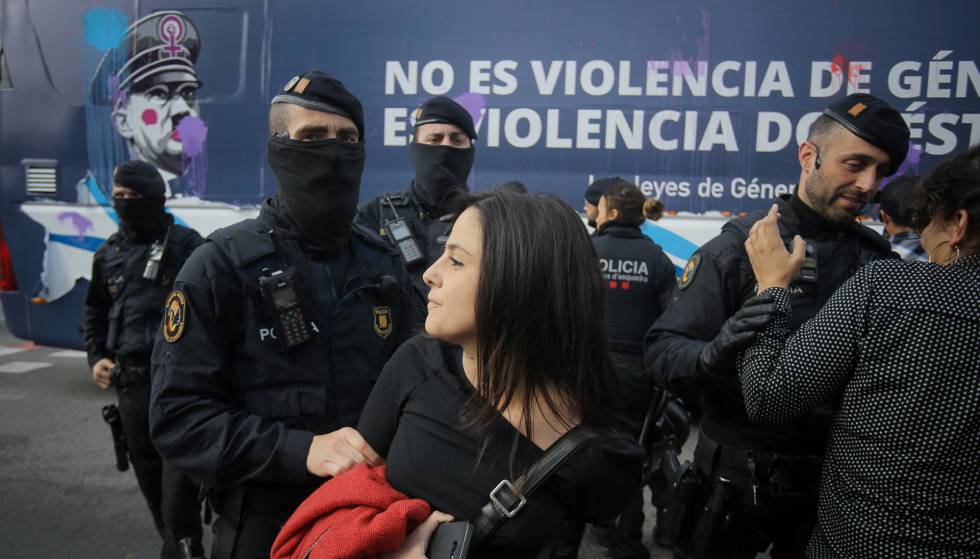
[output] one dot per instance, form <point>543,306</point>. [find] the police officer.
<point>131,276</point>
<point>278,327</point>
<point>639,278</point>
<point>416,221</point>
<point>766,476</point>
<point>592,195</point>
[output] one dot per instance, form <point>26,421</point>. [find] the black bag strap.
<point>506,501</point>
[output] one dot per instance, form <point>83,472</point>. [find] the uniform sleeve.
<point>783,379</point>
<point>379,419</point>
<point>95,319</point>
<point>414,302</point>
<point>667,280</point>
<point>194,422</point>
<point>693,317</point>
<point>367,215</point>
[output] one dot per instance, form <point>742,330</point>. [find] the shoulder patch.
<point>382,321</point>
<point>689,270</point>
<point>175,316</point>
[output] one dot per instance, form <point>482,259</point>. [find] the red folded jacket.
<point>357,514</point>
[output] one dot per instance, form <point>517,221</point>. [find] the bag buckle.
<point>516,499</point>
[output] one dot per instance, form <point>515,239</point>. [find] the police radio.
<point>152,270</point>
<point>279,294</point>
<point>808,270</point>
<point>398,231</point>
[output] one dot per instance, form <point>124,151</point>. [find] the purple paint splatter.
<point>78,221</point>
<point>193,134</point>
<point>908,167</point>
<point>474,103</point>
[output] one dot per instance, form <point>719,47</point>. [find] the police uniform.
<point>760,481</point>
<point>441,172</point>
<point>248,375</point>
<point>123,310</point>
<point>639,278</point>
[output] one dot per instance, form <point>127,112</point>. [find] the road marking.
<point>18,367</point>
<point>69,354</point>
<point>10,350</point>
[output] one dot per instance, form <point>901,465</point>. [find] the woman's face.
<point>453,281</point>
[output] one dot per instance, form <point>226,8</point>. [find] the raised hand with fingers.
<point>772,265</point>
<point>718,356</point>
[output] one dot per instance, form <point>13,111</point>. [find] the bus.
<point>701,103</point>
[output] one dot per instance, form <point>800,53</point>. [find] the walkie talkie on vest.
<point>279,295</point>
<point>152,270</point>
<point>398,231</point>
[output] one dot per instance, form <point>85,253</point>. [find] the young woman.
<point>513,358</point>
<point>898,344</point>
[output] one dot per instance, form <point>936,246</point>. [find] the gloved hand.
<point>718,356</point>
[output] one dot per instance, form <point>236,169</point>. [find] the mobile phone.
<point>451,540</point>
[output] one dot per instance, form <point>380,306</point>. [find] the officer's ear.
<point>120,120</point>
<point>613,214</point>
<point>808,156</point>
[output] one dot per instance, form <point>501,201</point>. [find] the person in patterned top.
<point>898,344</point>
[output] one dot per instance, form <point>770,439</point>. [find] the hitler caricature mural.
<point>141,103</point>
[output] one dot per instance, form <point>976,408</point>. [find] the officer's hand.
<point>418,539</point>
<point>772,264</point>
<point>102,372</point>
<point>335,453</point>
<point>718,356</point>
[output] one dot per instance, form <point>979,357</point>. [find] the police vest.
<point>322,384</point>
<point>630,266</point>
<point>137,303</point>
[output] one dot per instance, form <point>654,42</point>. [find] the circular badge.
<point>175,316</point>
<point>688,275</point>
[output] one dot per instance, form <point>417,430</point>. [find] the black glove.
<point>718,356</point>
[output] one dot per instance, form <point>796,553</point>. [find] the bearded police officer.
<point>763,478</point>
<point>416,221</point>
<point>278,327</point>
<point>131,276</point>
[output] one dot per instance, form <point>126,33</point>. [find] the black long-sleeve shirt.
<point>901,341</point>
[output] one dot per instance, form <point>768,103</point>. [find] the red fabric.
<point>357,514</point>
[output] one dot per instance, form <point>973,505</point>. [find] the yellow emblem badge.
<point>175,316</point>
<point>382,321</point>
<point>689,270</point>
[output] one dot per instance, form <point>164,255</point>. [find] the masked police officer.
<point>278,327</point>
<point>417,221</point>
<point>763,478</point>
<point>639,278</point>
<point>131,276</point>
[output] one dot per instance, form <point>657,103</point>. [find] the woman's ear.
<point>959,226</point>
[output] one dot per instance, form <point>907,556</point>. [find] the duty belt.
<point>123,376</point>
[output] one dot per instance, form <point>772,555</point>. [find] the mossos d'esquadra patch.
<point>175,316</point>
<point>689,270</point>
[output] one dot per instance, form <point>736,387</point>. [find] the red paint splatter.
<point>149,117</point>
<point>838,63</point>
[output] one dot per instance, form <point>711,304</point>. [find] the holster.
<point>684,496</point>
<point>110,414</point>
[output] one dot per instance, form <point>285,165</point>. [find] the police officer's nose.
<point>868,181</point>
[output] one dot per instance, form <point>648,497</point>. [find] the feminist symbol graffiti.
<point>171,30</point>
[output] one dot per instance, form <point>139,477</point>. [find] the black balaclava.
<point>319,183</point>
<point>440,174</point>
<point>142,218</point>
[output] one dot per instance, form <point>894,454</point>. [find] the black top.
<point>413,419</point>
<point>902,472</point>
<point>717,282</point>
<point>122,308</point>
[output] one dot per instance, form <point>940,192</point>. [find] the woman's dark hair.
<point>628,199</point>
<point>540,315</point>
<point>952,185</point>
<point>653,209</point>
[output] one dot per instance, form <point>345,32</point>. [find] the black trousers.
<point>171,496</point>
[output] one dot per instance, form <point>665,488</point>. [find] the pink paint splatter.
<point>193,133</point>
<point>78,221</point>
<point>149,117</point>
<point>474,103</point>
<point>908,167</point>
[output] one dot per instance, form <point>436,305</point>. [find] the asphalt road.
<point>60,494</point>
